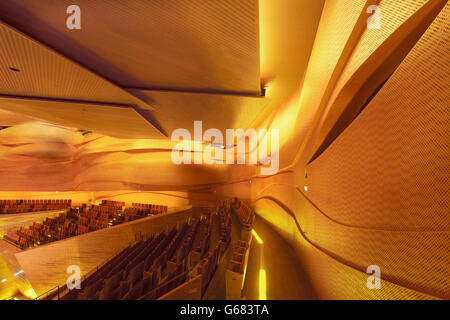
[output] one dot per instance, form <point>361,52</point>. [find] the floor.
<point>217,288</point>
<point>284,276</point>
<point>13,282</point>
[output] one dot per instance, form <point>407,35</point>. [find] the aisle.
<point>284,276</point>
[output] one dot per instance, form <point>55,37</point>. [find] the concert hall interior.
<point>224,149</point>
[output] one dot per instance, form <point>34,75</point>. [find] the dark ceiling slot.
<point>14,69</point>
<point>372,96</point>
<point>369,99</point>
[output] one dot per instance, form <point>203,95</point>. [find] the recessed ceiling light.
<point>14,69</point>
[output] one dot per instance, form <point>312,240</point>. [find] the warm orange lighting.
<point>257,237</point>
<point>262,271</point>
<point>262,285</point>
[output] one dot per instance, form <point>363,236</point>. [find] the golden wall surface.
<point>377,195</point>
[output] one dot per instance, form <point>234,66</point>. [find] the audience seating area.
<point>209,264</point>
<point>78,221</point>
<point>149,268</point>
<point>240,251</point>
<point>139,210</point>
<point>33,205</point>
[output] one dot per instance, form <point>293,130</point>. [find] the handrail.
<point>46,292</point>
<point>62,289</point>
<point>336,257</point>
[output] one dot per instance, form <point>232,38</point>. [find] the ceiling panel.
<point>199,45</point>
<point>44,73</point>
<point>112,120</point>
<point>180,109</point>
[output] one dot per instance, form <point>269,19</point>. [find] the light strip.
<point>262,284</point>
<point>257,237</point>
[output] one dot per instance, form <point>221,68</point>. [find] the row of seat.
<point>49,231</point>
<point>244,213</point>
<point>106,210</point>
<point>145,270</point>
<point>208,265</point>
<point>15,239</point>
<point>113,203</point>
<point>140,210</point>
<point>203,245</point>
<point>73,223</point>
<point>225,223</point>
<point>35,201</point>
<point>156,207</point>
<point>246,217</point>
<point>22,206</point>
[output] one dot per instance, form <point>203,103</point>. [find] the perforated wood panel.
<point>384,181</point>
<point>392,14</point>
<point>336,24</point>
<point>180,109</point>
<point>119,121</point>
<point>332,278</point>
<point>44,73</point>
<point>338,19</point>
<point>181,44</point>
